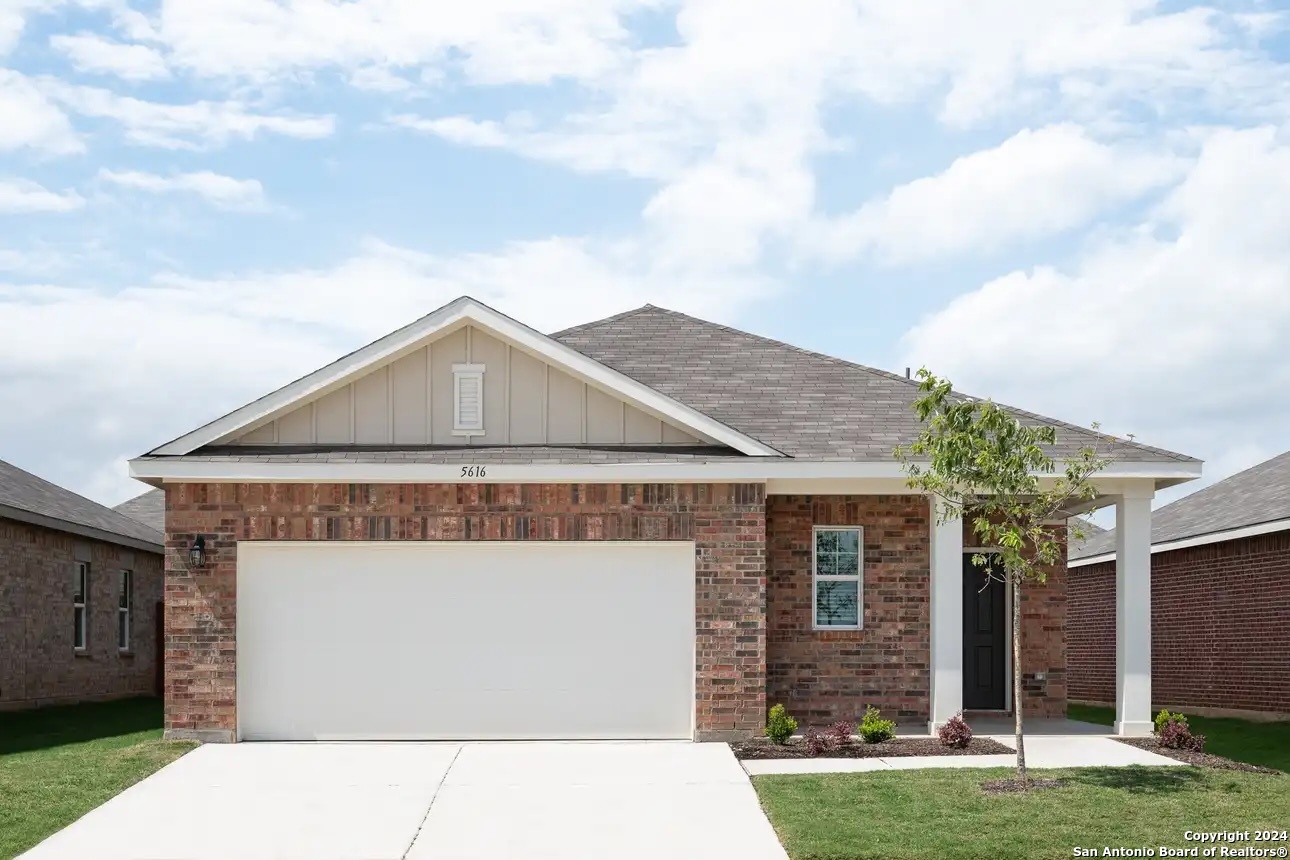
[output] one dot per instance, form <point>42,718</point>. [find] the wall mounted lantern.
<point>197,552</point>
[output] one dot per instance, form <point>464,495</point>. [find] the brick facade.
<point>1219,636</point>
<point>39,665</point>
<point>727,522</point>
<point>755,644</point>
<point>826,675</point>
<point>1044,645</point>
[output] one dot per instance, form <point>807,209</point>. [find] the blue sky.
<point>1080,208</point>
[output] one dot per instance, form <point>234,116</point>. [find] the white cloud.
<point>31,121</point>
<point>1034,184</point>
<point>24,196</point>
<point>502,41</point>
<point>13,19</point>
<point>729,117</point>
<point>95,54</point>
<point>1174,330</point>
<point>379,79</point>
<point>222,191</point>
<point>195,125</point>
<point>456,129</point>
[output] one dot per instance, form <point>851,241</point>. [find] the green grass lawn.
<point>1267,744</point>
<point>910,815</point>
<point>56,764</point>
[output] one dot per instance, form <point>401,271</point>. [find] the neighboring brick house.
<point>79,589</point>
<point>1220,601</point>
<point>649,526</point>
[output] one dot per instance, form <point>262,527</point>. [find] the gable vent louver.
<point>468,399</point>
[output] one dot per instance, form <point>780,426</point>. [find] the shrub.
<point>841,732</point>
<point>1176,735</point>
<point>818,743</point>
<point>1165,717</point>
<point>874,729</point>
<point>955,733</point>
<point>779,725</point>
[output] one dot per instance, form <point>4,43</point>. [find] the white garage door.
<point>465,640</point>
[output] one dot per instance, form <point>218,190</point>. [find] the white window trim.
<point>858,577</point>
<point>83,575</point>
<point>460,372</point>
<point>127,611</point>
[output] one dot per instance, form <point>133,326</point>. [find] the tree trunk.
<point>1016,678</point>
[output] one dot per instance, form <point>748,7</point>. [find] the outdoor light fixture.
<point>197,552</point>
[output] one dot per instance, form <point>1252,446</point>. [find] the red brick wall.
<point>38,665</point>
<point>726,521</point>
<point>1043,645</point>
<point>1219,632</point>
<point>820,676</point>
<point>828,675</point>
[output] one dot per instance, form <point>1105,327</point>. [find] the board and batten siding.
<point>410,401</point>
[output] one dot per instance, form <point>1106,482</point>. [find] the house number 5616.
<point>473,472</point>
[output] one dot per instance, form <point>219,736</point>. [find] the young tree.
<point>993,471</point>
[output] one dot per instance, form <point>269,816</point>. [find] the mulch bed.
<point>1012,785</point>
<point>1216,762</point>
<point>895,748</point>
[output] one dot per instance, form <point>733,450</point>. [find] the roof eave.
<point>157,470</point>
<point>35,519</point>
<point>1220,536</point>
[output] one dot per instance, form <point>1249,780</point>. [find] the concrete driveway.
<point>389,801</point>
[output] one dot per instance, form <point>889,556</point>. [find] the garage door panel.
<point>478,640</point>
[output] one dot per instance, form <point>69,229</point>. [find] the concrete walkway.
<point>416,801</point>
<point>1042,751</point>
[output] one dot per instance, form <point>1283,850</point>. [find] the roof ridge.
<point>898,378</point>
<point>594,323</point>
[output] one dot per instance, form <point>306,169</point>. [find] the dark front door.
<point>984,639</point>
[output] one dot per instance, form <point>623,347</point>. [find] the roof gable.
<point>464,313</point>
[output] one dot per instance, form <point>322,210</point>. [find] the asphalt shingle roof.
<point>149,509</point>
<point>23,491</point>
<point>803,403</point>
<point>1260,494</point>
<point>1092,531</point>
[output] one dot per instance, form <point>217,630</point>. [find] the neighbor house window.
<point>125,601</point>
<point>838,574</point>
<point>80,594</point>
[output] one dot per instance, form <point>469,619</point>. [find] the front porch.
<point>949,677</point>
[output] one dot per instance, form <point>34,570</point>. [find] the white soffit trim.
<point>1199,540</point>
<point>466,310</point>
<point>754,469</point>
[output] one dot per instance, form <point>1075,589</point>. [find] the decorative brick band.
<point>727,523</point>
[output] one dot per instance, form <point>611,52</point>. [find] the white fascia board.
<point>1198,540</point>
<point>461,311</point>
<point>751,469</point>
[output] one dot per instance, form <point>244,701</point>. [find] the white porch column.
<point>946,589</point>
<point>1133,613</point>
